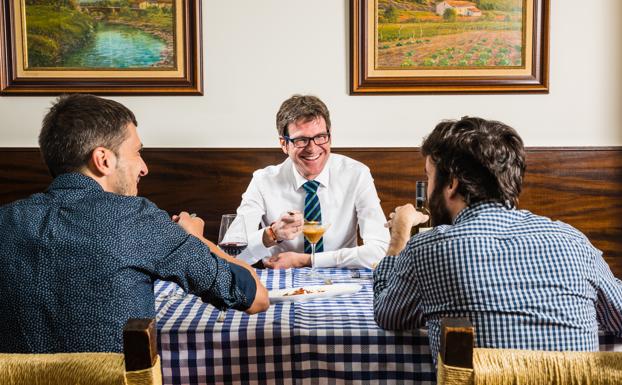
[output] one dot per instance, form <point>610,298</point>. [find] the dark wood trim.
<point>140,346</point>
<point>581,186</point>
<point>457,342</point>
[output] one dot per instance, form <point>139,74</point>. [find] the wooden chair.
<point>459,363</point>
<point>139,364</point>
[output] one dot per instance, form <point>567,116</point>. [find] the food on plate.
<point>302,290</point>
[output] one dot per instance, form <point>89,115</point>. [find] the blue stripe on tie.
<point>314,215</point>
<point>311,186</point>
<point>312,205</point>
<point>320,245</point>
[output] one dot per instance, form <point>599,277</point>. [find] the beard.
<point>123,185</point>
<point>439,212</point>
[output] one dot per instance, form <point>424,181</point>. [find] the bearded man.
<point>524,281</point>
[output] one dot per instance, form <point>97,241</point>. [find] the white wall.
<point>258,53</point>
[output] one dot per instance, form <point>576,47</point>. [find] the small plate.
<point>323,291</point>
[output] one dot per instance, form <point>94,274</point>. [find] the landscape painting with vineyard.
<point>432,34</point>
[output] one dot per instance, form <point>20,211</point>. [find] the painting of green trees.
<point>100,34</point>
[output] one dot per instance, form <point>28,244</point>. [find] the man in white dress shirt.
<point>275,197</point>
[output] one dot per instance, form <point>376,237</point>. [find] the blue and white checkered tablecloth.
<point>331,340</point>
<point>327,341</point>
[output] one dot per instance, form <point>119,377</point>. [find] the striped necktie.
<point>313,212</point>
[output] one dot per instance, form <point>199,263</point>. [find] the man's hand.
<point>400,222</point>
<point>405,217</point>
<point>288,260</point>
<point>287,227</point>
<point>193,225</point>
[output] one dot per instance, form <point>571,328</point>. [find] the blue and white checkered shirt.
<point>524,281</point>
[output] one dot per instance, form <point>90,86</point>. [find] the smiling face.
<point>311,159</point>
<point>130,165</point>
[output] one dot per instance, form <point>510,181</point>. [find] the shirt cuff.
<point>245,282</point>
<point>326,259</point>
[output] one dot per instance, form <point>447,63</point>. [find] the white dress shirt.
<point>347,198</point>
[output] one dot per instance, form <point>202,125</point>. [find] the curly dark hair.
<point>487,158</point>
<point>76,125</point>
<point>305,107</point>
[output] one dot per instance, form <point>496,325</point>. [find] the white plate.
<point>326,291</point>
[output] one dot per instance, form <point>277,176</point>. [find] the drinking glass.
<point>232,235</point>
<point>313,231</point>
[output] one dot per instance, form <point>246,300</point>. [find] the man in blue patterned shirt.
<point>80,259</point>
<point>524,281</point>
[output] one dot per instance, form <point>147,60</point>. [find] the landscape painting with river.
<point>100,34</point>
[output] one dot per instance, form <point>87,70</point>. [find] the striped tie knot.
<point>311,186</point>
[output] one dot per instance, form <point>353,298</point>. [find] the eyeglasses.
<point>303,141</point>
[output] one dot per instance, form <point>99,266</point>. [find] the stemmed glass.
<point>232,240</point>
<point>313,231</point>
<point>232,235</point>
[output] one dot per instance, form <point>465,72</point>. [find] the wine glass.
<point>313,231</point>
<point>232,235</point>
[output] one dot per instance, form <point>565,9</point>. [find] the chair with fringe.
<point>139,364</point>
<point>459,363</point>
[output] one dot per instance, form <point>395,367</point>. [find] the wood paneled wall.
<point>580,186</point>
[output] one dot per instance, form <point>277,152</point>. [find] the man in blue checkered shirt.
<point>524,281</point>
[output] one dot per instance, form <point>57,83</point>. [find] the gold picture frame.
<point>124,47</point>
<point>449,47</point>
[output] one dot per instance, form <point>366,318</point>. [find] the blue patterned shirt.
<point>77,262</point>
<point>524,281</point>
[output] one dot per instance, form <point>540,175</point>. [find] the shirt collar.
<point>74,180</point>
<point>476,209</point>
<point>323,178</point>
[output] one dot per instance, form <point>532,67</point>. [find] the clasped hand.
<point>192,224</point>
<point>405,217</point>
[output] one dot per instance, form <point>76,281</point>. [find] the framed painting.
<point>443,46</point>
<point>115,47</point>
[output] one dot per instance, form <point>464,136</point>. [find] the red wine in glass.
<point>233,248</point>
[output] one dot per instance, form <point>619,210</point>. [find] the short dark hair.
<point>305,107</point>
<point>487,158</point>
<point>77,124</point>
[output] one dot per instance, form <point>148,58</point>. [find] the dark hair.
<point>305,107</point>
<point>77,124</point>
<point>485,156</point>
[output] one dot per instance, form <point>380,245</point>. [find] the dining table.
<point>328,340</point>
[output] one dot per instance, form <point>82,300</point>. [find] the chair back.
<point>139,364</point>
<point>460,363</point>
